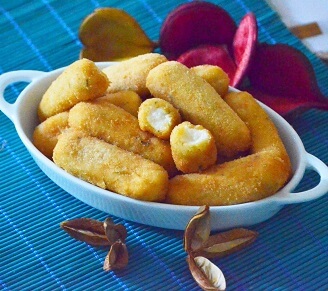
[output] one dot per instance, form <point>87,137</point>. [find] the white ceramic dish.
<point>23,113</point>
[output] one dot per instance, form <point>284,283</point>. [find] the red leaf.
<point>244,45</point>
<point>210,55</point>
<point>193,24</point>
<point>283,78</point>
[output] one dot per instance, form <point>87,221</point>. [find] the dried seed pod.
<point>228,242</point>
<point>198,230</point>
<point>117,257</point>
<point>207,275</point>
<point>114,232</point>
<point>88,230</point>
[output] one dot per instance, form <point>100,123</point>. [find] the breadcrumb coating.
<point>116,126</point>
<point>250,178</point>
<point>130,101</point>
<point>110,167</point>
<point>81,81</point>
<point>215,76</point>
<point>45,135</point>
<point>131,74</point>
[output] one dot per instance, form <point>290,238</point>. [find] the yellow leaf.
<point>110,34</point>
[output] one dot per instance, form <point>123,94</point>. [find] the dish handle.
<point>9,78</point>
<point>315,164</point>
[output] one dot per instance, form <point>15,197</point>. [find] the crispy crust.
<point>81,81</point>
<point>130,101</point>
<point>199,103</point>
<point>116,126</point>
<point>215,76</point>
<point>131,74</point>
<point>109,167</point>
<point>256,176</point>
<point>46,134</point>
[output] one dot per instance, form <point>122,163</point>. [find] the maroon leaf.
<point>244,45</point>
<point>283,78</point>
<point>209,55</point>
<point>193,24</point>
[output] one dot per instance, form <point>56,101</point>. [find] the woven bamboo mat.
<point>35,254</point>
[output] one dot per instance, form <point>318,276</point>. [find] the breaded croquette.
<point>81,81</point>
<point>131,74</point>
<point>215,76</point>
<point>128,100</point>
<point>46,134</point>
<point>193,147</point>
<point>110,167</point>
<point>158,117</point>
<point>116,126</point>
<point>264,134</point>
<point>250,178</point>
<point>242,180</point>
<point>199,103</point>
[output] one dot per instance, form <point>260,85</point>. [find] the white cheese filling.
<point>159,119</point>
<point>194,136</point>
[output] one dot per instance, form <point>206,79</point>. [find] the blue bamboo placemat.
<point>35,254</point>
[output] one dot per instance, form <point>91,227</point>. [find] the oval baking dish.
<point>23,113</point>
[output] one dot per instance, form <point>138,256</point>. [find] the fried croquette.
<point>158,117</point>
<point>215,76</point>
<point>81,81</point>
<point>199,103</point>
<point>130,101</point>
<point>116,126</point>
<point>131,74</point>
<point>193,147</point>
<point>45,135</point>
<point>110,167</point>
<point>263,131</point>
<point>250,178</point>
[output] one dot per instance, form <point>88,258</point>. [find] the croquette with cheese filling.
<point>158,117</point>
<point>256,176</point>
<point>193,147</point>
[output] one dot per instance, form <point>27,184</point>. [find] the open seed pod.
<point>117,257</point>
<point>226,243</point>
<point>114,232</point>
<point>198,230</point>
<point>207,275</point>
<point>88,230</point>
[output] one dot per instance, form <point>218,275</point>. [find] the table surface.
<point>289,254</point>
